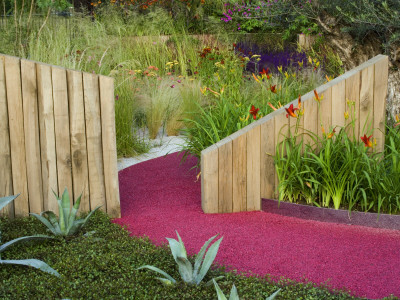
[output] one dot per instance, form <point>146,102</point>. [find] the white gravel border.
<point>162,145</point>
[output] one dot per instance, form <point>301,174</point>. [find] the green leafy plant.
<point>35,263</point>
<point>66,224</point>
<point>234,294</point>
<point>189,274</point>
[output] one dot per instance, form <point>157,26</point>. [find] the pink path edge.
<point>161,195</point>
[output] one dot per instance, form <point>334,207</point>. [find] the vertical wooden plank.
<point>367,100</point>
<point>32,140</point>
<point>326,111</point>
<point>253,169</point>
<point>281,132</point>
<point>380,93</point>
<point>80,173</point>
<point>353,94</point>
<point>239,156</point>
<point>209,180</point>
<point>267,161</point>
<point>94,141</point>
<point>61,127</point>
<point>339,104</point>
<point>17,136</point>
<point>47,137</point>
<point>6,188</point>
<point>225,162</point>
<point>109,146</point>
<point>311,123</point>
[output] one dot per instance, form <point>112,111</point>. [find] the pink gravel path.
<point>160,196</point>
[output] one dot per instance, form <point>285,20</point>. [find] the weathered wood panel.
<point>209,180</point>
<point>50,116</point>
<point>17,134</point>
<point>47,137</point>
<point>311,124</point>
<point>61,127</point>
<point>267,170</point>
<point>239,156</point>
<point>32,142</point>
<point>6,188</point>
<point>109,146</point>
<point>326,112</point>
<point>367,100</point>
<point>225,164</point>
<point>253,169</point>
<point>339,100</point>
<point>80,173</point>
<point>353,95</point>
<point>94,141</point>
<point>380,93</point>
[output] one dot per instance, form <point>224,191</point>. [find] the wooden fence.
<point>57,131</point>
<point>237,172</point>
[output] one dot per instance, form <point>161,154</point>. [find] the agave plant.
<point>234,294</point>
<point>35,263</point>
<point>189,274</point>
<point>66,224</point>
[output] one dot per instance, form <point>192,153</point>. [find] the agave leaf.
<point>90,214</point>
<point>234,293</point>
<point>24,238</point>
<point>273,295</point>
<point>35,263</point>
<point>61,218</point>
<point>45,222</point>
<point>176,249</point>
<point>210,282</point>
<point>53,220</point>
<point>6,200</point>
<point>66,203</point>
<point>208,260</point>
<point>181,242</point>
<point>185,269</point>
<point>220,293</point>
<point>155,269</point>
<point>76,226</point>
<point>74,210</point>
<point>199,256</point>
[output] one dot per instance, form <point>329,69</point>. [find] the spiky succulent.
<point>189,274</point>
<point>66,224</point>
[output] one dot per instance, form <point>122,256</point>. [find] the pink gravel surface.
<point>161,195</point>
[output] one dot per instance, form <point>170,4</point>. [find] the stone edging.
<point>331,215</point>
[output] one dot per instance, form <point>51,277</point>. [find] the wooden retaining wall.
<point>57,131</point>
<point>236,172</point>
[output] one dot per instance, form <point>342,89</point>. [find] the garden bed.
<point>323,214</point>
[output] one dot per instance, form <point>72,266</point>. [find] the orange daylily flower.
<point>300,112</point>
<point>397,120</point>
<point>273,88</point>
<point>317,97</point>
<point>332,133</point>
<point>255,77</point>
<point>367,141</point>
<point>254,112</point>
<point>291,111</point>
